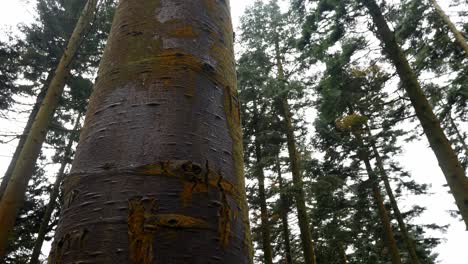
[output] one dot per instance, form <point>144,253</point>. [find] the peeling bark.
<point>14,193</point>
<point>158,174</point>
<point>446,156</point>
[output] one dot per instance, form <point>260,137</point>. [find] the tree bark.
<point>459,38</point>
<point>446,156</point>
<point>53,196</point>
<point>158,173</point>
<point>383,214</point>
<point>344,258</point>
<point>410,245</point>
<point>303,218</point>
<point>15,191</point>
<point>22,139</point>
<point>284,215</point>
<point>265,223</point>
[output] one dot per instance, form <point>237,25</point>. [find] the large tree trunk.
<point>303,218</point>
<point>383,214</point>
<point>15,191</point>
<point>53,196</point>
<point>22,139</point>
<point>265,223</point>
<point>284,208</point>
<point>448,161</point>
<point>399,217</point>
<point>459,38</point>
<point>158,173</point>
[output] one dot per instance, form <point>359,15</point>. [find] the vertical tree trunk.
<point>22,139</point>
<point>448,161</point>
<point>344,258</point>
<point>284,215</point>
<point>459,38</point>
<point>158,173</point>
<point>399,217</point>
<point>265,223</point>
<point>53,196</point>
<point>303,218</point>
<point>383,214</point>
<point>15,191</point>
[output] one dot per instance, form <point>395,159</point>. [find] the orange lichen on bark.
<point>183,32</point>
<point>141,237</point>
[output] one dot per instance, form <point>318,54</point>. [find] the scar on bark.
<point>70,241</point>
<point>224,216</point>
<point>144,222</point>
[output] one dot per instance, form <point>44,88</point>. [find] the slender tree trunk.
<point>383,214</point>
<point>53,196</point>
<point>399,217</point>
<point>459,38</point>
<point>22,139</point>
<point>448,160</point>
<point>460,138</point>
<point>344,258</point>
<point>15,191</point>
<point>303,218</point>
<point>284,215</point>
<point>265,223</point>
<point>158,173</point>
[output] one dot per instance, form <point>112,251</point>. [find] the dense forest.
<point>157,133</point>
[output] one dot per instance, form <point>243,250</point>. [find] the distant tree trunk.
<point>15,191</point>
<point>158,172</point>
<point>460,138</point>
<point>399,217</point>
<point>284,215</point>
<point>459,38</point>
<point>265,222</point>
<point>22,139</point>
<point>303,218</point>
<point>448,160</point>
<point>383,214</point>
<point>344,258</point>
<point>53,196</point>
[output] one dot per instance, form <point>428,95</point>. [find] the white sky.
<point>417,158</point>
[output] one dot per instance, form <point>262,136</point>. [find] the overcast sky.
<point>417,158</point>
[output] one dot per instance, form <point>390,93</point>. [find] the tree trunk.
<point>22,139</point>
<point>303,218</point>
<point>53,197</point>
<point>458,134</point>
<point>15,191</point>
<point>401,222</point>
<point>158,173</point>
<point>344,258</point>
<point>383,214</point>
<point>284,215</point>
<point>265,223</point>
<point>459,38</point>
<point>448,161</point>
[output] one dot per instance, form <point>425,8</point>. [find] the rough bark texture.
<point>265,222</point>
<point>284,216</point>
<point>448,161</point>
<point>303,218</point>
<point>22,139</point>
<point>383,214</point>
<point>459,38</point>
<point>15,191</point>
<point>410,245</point>
<point>53,197</point>
<point>158,173</point>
